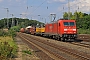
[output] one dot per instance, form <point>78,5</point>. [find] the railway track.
<point>81,44</point>
<point>54,49</point>
<point>54,56</point>
<point>84,37</point>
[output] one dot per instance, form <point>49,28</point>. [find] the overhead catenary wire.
<point>63,8</point>
<point>66,8</point>
<point>38,6</point>
<point>27,7</point>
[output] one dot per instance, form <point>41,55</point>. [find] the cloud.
<point>59,0</point>
<point>52,1</point>
<point>79,5</point>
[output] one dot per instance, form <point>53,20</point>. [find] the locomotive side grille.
<point>69,35</point>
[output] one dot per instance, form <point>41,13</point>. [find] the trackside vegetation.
<point>27,52</point>
<point>8,47</point>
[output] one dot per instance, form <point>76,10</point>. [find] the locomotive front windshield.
<point>69,24</point>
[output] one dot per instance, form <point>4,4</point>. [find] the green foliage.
<point>65,15</point>
<point>10,32</point>
<point>6,51</point>
<point>1,24</point>
<point>27,51</point>
<point>35,23</point>
<point>13,30</point>
<point>18,22</point>
<point>83,31</point>
<point>3,33</point>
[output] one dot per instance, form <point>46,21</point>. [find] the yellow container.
<point>37,29</point>
<point>42,30</point>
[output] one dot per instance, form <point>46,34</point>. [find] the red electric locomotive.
<point>62,29</point>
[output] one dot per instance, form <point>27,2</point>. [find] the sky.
<point>41,9</point>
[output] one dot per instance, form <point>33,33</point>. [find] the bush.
<point>13,30</point>
<point>12,33</point>
<point>83,31</point>
<point>6,51</point>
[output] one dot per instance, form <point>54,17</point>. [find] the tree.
<point>81,15</point>
<point>65,16</point>
<point>1,24</point>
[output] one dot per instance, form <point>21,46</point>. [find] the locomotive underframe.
<point>69,36</point>
<point>60,36</point>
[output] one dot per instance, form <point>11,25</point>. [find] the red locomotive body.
<point>63,29</point>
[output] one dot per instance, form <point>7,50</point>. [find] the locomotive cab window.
<point>66,24</point>
<point>72,24</point>
<point>69,24</point>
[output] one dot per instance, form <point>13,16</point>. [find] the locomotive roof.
<point>58,20</point>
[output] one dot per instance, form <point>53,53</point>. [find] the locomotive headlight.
<point>74,29</point>
<point>65,29</point>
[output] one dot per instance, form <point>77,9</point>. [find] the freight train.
<point>61,30</point>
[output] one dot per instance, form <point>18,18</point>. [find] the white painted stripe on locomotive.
<point>70,29</point>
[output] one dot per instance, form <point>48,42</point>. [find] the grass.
<point>5,38</point>
<point>27,52</point>
<point>10,42</point>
